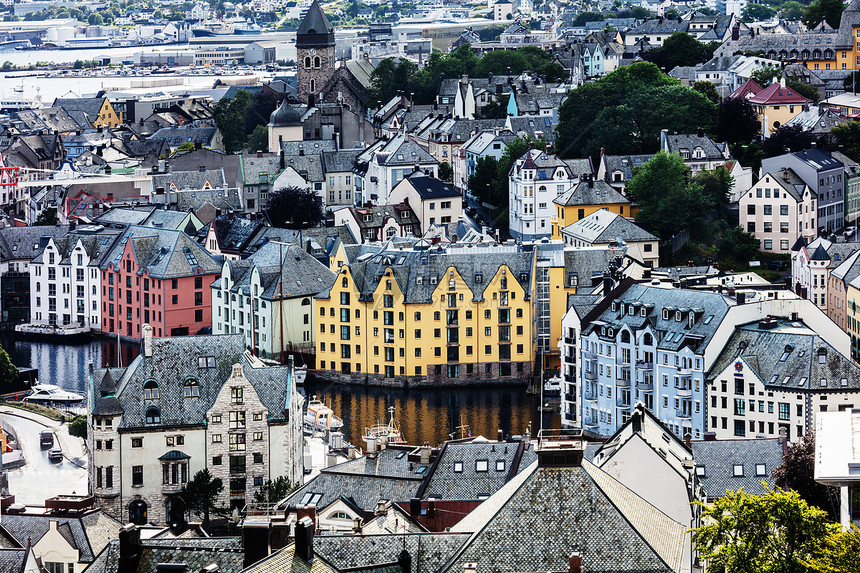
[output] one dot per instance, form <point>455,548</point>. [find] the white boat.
<point>389,433</point>
<point>320,417</point>
<point>51,393</point>
<point>552,387</point>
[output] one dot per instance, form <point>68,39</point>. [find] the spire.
<point>315,29</point>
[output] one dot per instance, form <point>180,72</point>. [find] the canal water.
<point>425,415</point>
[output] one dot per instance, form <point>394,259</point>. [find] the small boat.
<point>552,386</point>
<point>390,432</point>
<point>320,417</point>
<point>51,393</point>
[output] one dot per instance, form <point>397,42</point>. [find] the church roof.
<point>285,115</point>
<point>315,29</point>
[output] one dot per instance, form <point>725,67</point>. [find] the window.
<point>216,438</point>
<point>237,443</point>
<point>760,470</point>
<point>237,420</point>
<point>482,465</point>
<point>236,396</point>
<point>150,390</point>
<point>192,388</point>
<point>137,442</point>
<point>136,475</point>
<point>458,467</point>
<point>153,416</point>
<point>784,411</point>
<point>738,470</point>
<point>500,465</point>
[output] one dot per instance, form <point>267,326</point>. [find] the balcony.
<point>646,366</point>
<point>171,488</point>
<point>623,401</point>
<point>589,356</point>
<point>569,417</point>
<point>589,422</point>
<point>622,361</point>
<point>570,341</point>
<point>684,392</point>
<point>588,392</point>
<point>590,374</point>
<point>682,413</point>
<point>684,372</point>
<point>645,386</point>
<point>623,383</point>
<point>568,397</point>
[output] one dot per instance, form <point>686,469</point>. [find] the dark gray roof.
<point>624,163</point>
<point>175,359</point>
<point>850,20</point>
<point>431,188</point>
<point>87,533</point>
<point>340,161</point>
<point>400,151</point>
<point>688,142</point>
<point>196,553</point>
<point>165,253</point>
<point>314,23</point>
<point>176,136</point>
<point>90,107</point>
<point>181,180</point>
<point>125,216</point>
<point>365,491</point>
<point>26,242</point>
<point>234,232</point>
<point>790,181</point>
<point>597,192</point>
<point>716,461</point>
<point>789,356</point>
<point>588,264</point>
<point>504,461</point>
<point>315,146</point>
<point>428,551</point>
<point>13,560</point>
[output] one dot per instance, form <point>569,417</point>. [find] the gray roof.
<point>431,188</point>
<point>340,161</point>
<point>196,553</point>
<point>165,253</point>
<point>688,142</point>
<point>365,491</point>
<point>467,484</point>
<point>684,72</point>
<point>96,245</point>
<point>286,271</point>
<point>791,182</point>
<point>603,226</point>
<point>234,232</point>
<point>182,180</point>
<point>89,106</point>
<point>174,360</point>
<point>88,534</point>
<point>125,216</point>
<point>309,167</point>
<point>716,461</point>
<point>26,242</point>
<point>588,264</point>
<point>597,192</point>
<point>176,136</point>
<point>401,151</point>
<point>718,64</point>
<point>709,310</point>
<point>254,164</point>
<point>624,163</point>
<point>428,551</point>
<point>790,356</point>
<point>850,20</point>
<point>304,147</point>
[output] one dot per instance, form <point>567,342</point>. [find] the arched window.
<point>504,283</point>
<point>343,282</point>
<point>192,388</point>
<point>153,416</point>
<point>307,61</point>
<point>625,336</point>
<point>316,61</point>
<point>339,515</point>
<point>150,390</point>
<point>648,339</point>
<point>306,302</point>
<point>137,512</point>
<point>389,233</point>
<point>542,188</point>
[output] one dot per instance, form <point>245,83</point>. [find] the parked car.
<point>46,438</point>
<point>777,265</point>
<point>56,454</point>
<point>850,231</point>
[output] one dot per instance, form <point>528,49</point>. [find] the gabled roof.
<point>748,89</point>
<point>164,253</point>
<point>777,94</point>
<point>591,192</point>
<point>603,226</point>
<point>716,461</point>
<point>430,187</point>
<point>315,29</point>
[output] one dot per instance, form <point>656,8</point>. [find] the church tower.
<point>315,53</point>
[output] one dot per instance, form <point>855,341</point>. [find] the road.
<point>39,478</point>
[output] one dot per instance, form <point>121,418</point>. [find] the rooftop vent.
<point>560,448</point>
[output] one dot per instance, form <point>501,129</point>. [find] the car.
<point>56,454</point>
<point>850,231</point>
<point>46,438</point>
<point>777,265</point>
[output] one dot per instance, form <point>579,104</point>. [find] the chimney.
<point>783,437</point>
<point>425,455</point>
<point>782,82</point>
<point>501,435</point>
<point>415,507</point>
<point>256,540</point>
<point>305,539</point>
<point>129,548</point>
<point>741,297</point>
<point>405,561</point>
<point>311,101</point>
<point>701,132</point>
<point>147,341</point>
<point>575,563</point>
<point>688,439</point>
<point>309,511</point>
<point>710,436</point>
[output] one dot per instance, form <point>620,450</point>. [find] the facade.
<point>374,224</point>
<point>414,317</point>
<point>268,298</point>
<point>774,377</point>
<point>159,277</point>
<point>97,112</point>
<point>535,180</point>
<point>776,105</point>
<point>585,198</point>
<point>382,166</point>
<point>315,56</point>
<point>837,289</point>
<point>824,175</point>
<point>185,404</point>
<point>432,201</point>
<point>811,265</point>
<point>779,209</point>
<point>835,458</point>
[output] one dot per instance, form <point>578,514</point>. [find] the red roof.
<point>776,94</point>
<point>750,88</point>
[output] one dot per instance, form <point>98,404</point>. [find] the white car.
<point>850,231</point>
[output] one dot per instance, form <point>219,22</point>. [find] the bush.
<point>78,427</point>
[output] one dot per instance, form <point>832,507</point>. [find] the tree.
<point>47,218</point>
<point>764,75</point>
<point>797,473</point>
<point>185,146</point>
<point>707,89</point>
<point>388,77</point>
<point>757,13</point>
<point>201,495</point>
<point>259,139</point>
<point>848,138</point>
<point>496,109</point>
<point>295,208</point>
<point>95,20</point>
<point>791,10</point>
<point>821,10</point>
<point>445,171</point>
<point>275,491</point>
<point>775,532</point>
<point>680,49</point>
<point>736,244</point>
<point>786,137</point>
<point>806,90</point>
<point>238,116</point>
<point>585,17</point>
<point>737,121</point>
<point>8,371</point>
<point>840,553</point>
<point>78,426</point>
<point>716,186</point>
<point>483,178</point>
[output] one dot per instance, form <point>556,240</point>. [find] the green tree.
<point>708,90</point>
<point>736,121</point>
<point>8,371</point>
<point>294,208</point>
<point>764,75</point>
<point>445,171</point>
<point>791,10</point>
<point>7,65</point>
<point>275,491</point>
<point>757,13</point>
<point>201,495</point>
<point>791,137</point>
<point>78,426</point>
<point>585,17</point>
<point>797,473</point>
<point>95,19</point>
<point>259,139</point>
<point>496,109</point>
<point>821,10</point>
<point>237,117</point>
<point>47,218</point>
<point>806,90</point>
<point>716,185</point>
<point>483,178</point>
<point>840,553</point>
<point>735,244</point>
<point>774,533</point>
<point>848,139</point>
<point>389,76</point>
<point>680,49</point>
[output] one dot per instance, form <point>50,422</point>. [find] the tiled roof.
<point>689,142</point>
<point>165,253</point>
<point>716,461</point>
<point>750,87</point>
<point>467,484</point>
<point>597,192</point>
<point>196,553</point>
<point>88,534</point>
<point>13,560</point>
<point>234,232</point>
<point>26,242</point>
<point>776,94</point>
<point>428,551</point>
<point>365,491</point>
<point>603,227</point>
<point>431,188</point>
<point>339,161</point>
<point>181,180</point>
<point>286,561</point>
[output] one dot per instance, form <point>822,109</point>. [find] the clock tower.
<point>314,54</point>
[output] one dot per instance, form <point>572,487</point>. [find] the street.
<point>40,479</point>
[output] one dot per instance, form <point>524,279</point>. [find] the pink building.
<point>779,209</point>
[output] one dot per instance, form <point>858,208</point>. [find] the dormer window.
<point>760,470</point>
<point>643,311</point>
<point>192,388</point>
<point>822,356</point>
<point>738,470</point>
<point>678,316</point>
<point>153,416</point>
<point>150,390</point>
<point>665,314</point>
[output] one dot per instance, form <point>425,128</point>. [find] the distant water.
<point>27,57</point>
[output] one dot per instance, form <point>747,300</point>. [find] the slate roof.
<point>603,227</point>
<point>776,94</point>
<point>428,551</point>
<point>402,151</point>
<point>379,214</point>
<point>818,121</point>
<point>183,180</point>
<point>715,461</point>
<point>688,142</point>
<point>315,146</point>
<point>848,270</point>
<point>175,359</point>
<point>315,22</point>
<point>791,182</point>
<point>448,484</point>
<point>196,553</point>
<point>624,163</point>
<point>233,232</point>
<point>178,135</point>
<point>51,118</point>
<point>364,491</point>
<point>671,334</point>
<point>407,266</point>
<point>597,192</point>
<point>431,188</point>
<point>850,20</point>
<point>340,161</point>
<point>613,527</point>
<point>286,561</point>
<point>90,107</point>
<point>96,246</point>
<point>590,263</point>
<point>26,242</point>
<point>789,357</point>
<point>286,271</point>
<point>165,253</point>
<point>88,534</point>
<point>13,560</point>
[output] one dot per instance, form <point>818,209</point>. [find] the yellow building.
<point>97,111</point>
<point>585,198</point>
<point>422,317</point>
<point>775,105</point>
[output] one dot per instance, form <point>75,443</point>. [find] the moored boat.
<point>388,433</point>
<point>320,417</point>
<point>49,393</point>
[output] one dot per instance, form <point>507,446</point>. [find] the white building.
<point>836,460</point>
<point>268,298</point>
<point>779,209</point>
<point>534,180</point>
<point>432,201</point>
<point>383,165</point>
<point>604,227</point>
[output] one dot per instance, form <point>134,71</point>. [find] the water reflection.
<point>434,415</point>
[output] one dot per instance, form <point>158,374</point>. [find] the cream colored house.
<point>779,209</point>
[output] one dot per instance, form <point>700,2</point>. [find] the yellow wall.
<point>564,216</point>
<point>776,113</point>
<point>413,336</point>
<point>107,116</point>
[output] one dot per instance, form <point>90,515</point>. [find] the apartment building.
<point>433,202</point>
<point>604,227</point>
<point>778,209</point>
<point>429,317</point>
<point>183,405</point>
<point>65,280</point>
<point>812,264</point>
<point>535,180</point>
<point>159,277</point>
<point>268,298</point>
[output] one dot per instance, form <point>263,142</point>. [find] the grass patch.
<point>55,415</point>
